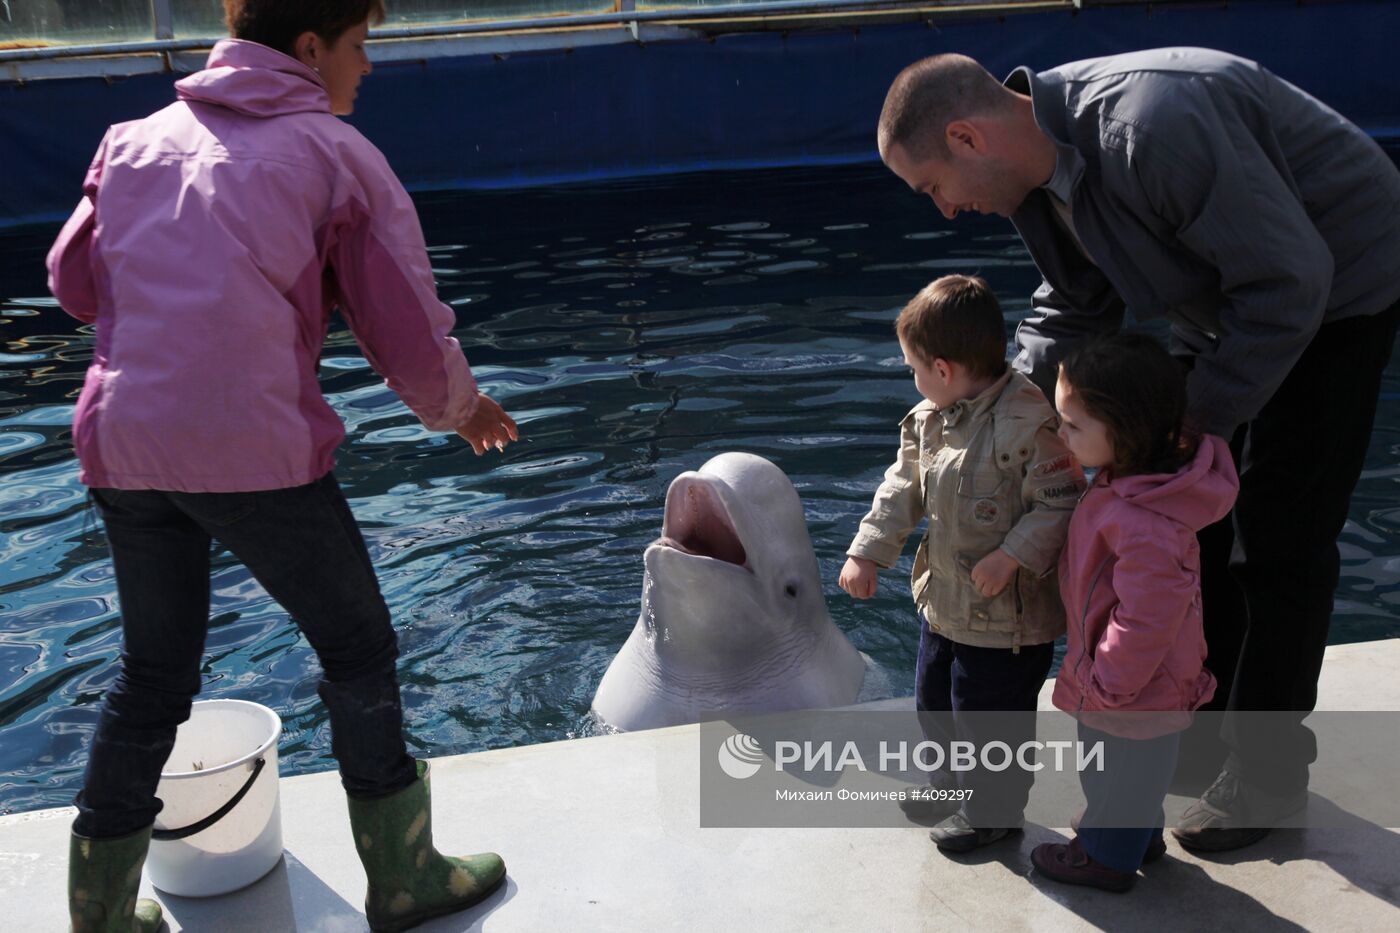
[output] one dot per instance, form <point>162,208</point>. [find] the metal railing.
<point>625,15</point>
<point>163,19</point>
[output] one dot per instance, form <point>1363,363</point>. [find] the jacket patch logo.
<point>1062,491</point>
<point>985,511</point>
<point>1049,467</point>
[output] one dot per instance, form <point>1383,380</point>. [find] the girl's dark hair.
<point>1131,384</point>
<point>277,23</point>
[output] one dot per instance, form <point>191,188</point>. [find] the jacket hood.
<point>253,79</point>
<point>1197,495</point>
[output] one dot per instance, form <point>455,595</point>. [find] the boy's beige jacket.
<point>988,472</point>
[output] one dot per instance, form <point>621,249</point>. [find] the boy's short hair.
<point>277,23</point>
<point>956,318</point>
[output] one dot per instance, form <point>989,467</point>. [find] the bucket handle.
<point>167,835</point>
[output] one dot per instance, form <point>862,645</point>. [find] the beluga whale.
<point>733,620</point>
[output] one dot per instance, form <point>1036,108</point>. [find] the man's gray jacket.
<point>1211,192</point>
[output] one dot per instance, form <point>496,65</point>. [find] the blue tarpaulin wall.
<point>757,99</point>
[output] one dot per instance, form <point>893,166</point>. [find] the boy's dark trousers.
<point>1123,811</point>
<point>1269,570</point>
<point>303,546</point>
<point>980,695</point>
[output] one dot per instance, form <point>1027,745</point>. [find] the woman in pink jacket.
<point>213,241</point>
<point>1130,580</point>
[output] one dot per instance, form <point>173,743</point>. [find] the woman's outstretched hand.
<point>489,426</point>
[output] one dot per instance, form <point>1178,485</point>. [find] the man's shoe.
<point>1232,815</point>
<point>927,803</point>
<point>956,834</point>
<point>1156,849</point>
<point>1070,864</point>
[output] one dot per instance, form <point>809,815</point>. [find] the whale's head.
<point>733,572</point>
<point>733,618</point>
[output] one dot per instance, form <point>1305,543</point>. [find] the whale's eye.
<point>791,590</point>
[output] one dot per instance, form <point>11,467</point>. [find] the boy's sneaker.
<point>1156,849</point>
<point>1232,814</point>
<point>956,834</point>
<point>928,803</point>
<point>1070,864</point>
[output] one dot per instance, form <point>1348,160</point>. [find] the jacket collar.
<point>256,80</point>
<point>972,409</point>
<point>1047,93</point>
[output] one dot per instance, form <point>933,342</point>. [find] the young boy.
<point>981,459</point>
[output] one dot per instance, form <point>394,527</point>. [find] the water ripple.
<point>513,578</point>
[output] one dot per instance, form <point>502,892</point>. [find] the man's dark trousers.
<point>1270,568</point>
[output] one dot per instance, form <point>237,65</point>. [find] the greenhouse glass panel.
<point>427,12</point>
<point>693,4</point>
<point>844,6</point>
<point>68,22</point>
<point>200,18</point>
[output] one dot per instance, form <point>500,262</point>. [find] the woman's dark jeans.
<point>303,546</point>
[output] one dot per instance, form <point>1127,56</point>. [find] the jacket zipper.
<point>1084,631</point>
<point>1084,616</point>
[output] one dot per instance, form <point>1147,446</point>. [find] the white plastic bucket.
<point>220,802</point>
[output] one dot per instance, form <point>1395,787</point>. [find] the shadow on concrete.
<point>1175,894</point>
<point>1362,852</point>
<point>287,899</point>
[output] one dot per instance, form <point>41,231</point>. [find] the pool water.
<point>633,330</point>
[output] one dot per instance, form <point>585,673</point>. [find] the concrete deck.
<point>603,834</point>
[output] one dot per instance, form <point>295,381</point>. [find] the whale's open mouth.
<point>697,523</point>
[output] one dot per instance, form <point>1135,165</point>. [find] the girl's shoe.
<point>103,876</point>
<point>1070,864</point>
<point>409,880</point>
<point>1156,849</point>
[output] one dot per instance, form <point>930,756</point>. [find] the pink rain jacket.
<point>214,238</point>
<point>1130,580</point>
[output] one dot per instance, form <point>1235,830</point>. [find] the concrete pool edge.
<point>603,833</point>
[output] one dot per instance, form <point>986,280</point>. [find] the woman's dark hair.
<point>1131,384</point>
<point>277,23</point>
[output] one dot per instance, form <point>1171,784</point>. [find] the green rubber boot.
<point>103,876</point>
<point>409,880</point>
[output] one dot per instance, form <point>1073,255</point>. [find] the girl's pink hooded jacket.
<point>1130,581</point>
<point>214,238</point>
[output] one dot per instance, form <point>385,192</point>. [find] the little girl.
<point>1130,580</point>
